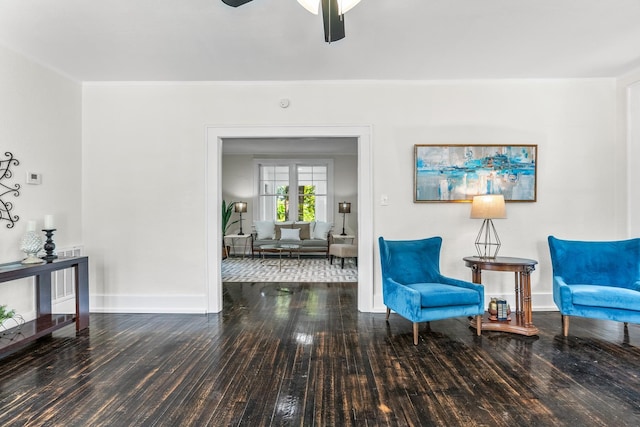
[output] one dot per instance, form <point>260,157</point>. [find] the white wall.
<point>144,171</point>
<point>237,184</point>
<point>40,119</point>
<point>346,190</point>
<point>629,133</point>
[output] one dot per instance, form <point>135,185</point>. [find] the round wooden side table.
<point>522,320</point>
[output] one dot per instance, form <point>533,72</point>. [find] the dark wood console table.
<point>46,322</point>
<point>522,321</point>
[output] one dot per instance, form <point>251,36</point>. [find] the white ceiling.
<point>206,40</point>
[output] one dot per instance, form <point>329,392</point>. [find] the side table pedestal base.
<point>515,325</point>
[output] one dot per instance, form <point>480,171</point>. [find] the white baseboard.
<point>66,305</point>
<point>189,304</point>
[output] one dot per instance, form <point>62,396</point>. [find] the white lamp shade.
<point>313,6</point>
<point>489,206</point>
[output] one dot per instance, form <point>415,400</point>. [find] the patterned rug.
<point>315,270</point>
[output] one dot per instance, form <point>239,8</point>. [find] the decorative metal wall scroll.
<point>8,190</point>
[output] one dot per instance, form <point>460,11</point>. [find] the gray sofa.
<point>312,237</point>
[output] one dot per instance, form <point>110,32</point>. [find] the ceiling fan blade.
<point>333,21</point>
<point>235,3</point>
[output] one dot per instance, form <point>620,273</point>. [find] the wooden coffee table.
<point>522,320</point>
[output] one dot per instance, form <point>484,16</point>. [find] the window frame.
<point>293,164</point>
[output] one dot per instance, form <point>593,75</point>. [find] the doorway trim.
<point>633,150</point>
<point>213,188</point>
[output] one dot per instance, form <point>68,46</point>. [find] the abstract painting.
<point>456,173</point>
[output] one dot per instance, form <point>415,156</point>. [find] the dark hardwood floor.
<point>301,354</point>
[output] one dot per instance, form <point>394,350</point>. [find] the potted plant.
<point>5,315</point>
<point>227,212</point>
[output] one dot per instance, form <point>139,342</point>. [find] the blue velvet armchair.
<point>600,280</point>
<point>413,287</point>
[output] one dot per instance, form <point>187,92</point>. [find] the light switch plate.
<point>34,178</point>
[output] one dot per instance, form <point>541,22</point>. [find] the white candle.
<point>31,225</point>
<point>48,222</point>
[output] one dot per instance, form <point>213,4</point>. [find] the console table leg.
<point>82,296</point>
<point>43,293</point>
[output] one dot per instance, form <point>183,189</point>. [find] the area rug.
<point>315,270</point>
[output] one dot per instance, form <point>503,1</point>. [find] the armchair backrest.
<point>410,261</point>
<point>613,263</point>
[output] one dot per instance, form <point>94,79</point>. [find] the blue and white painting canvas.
<point>456,173</point>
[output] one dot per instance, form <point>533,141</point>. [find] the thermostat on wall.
<point>34,178</point>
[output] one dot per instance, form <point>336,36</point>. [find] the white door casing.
<point>214,140</point>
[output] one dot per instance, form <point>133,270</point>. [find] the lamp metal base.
<point>487,242</point>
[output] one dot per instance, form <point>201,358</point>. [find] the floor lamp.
<point>344,208</point>
<point>488,207</point>
<point>240,207</point>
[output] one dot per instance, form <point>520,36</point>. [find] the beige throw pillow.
<point>305,230</point>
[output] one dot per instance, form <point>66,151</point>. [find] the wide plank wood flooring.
<point>301,354</point>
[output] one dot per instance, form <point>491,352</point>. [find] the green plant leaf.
<point>6,314</point>
<point>227,212</point>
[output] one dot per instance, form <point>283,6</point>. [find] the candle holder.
<point>49,246</point>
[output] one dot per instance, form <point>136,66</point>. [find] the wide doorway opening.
<point>302,143</point>
<point>307,187</point>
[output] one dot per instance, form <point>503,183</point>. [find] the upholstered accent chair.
<point>413,287</point>
<point>342,251</point>
<point>600,280</point>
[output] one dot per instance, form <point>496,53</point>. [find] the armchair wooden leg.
<point>415,333</point>
<point>565,325</point>
<point>388,314</point>
<point>479,324</point>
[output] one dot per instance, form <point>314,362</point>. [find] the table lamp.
<point>240,207</point>
<point>344,208</point>
<point>488,207</point>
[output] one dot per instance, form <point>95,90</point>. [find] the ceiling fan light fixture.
<point>235,3</point>
<point>345,6</point>
<point>333,21</point>
<point>313,6</point>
